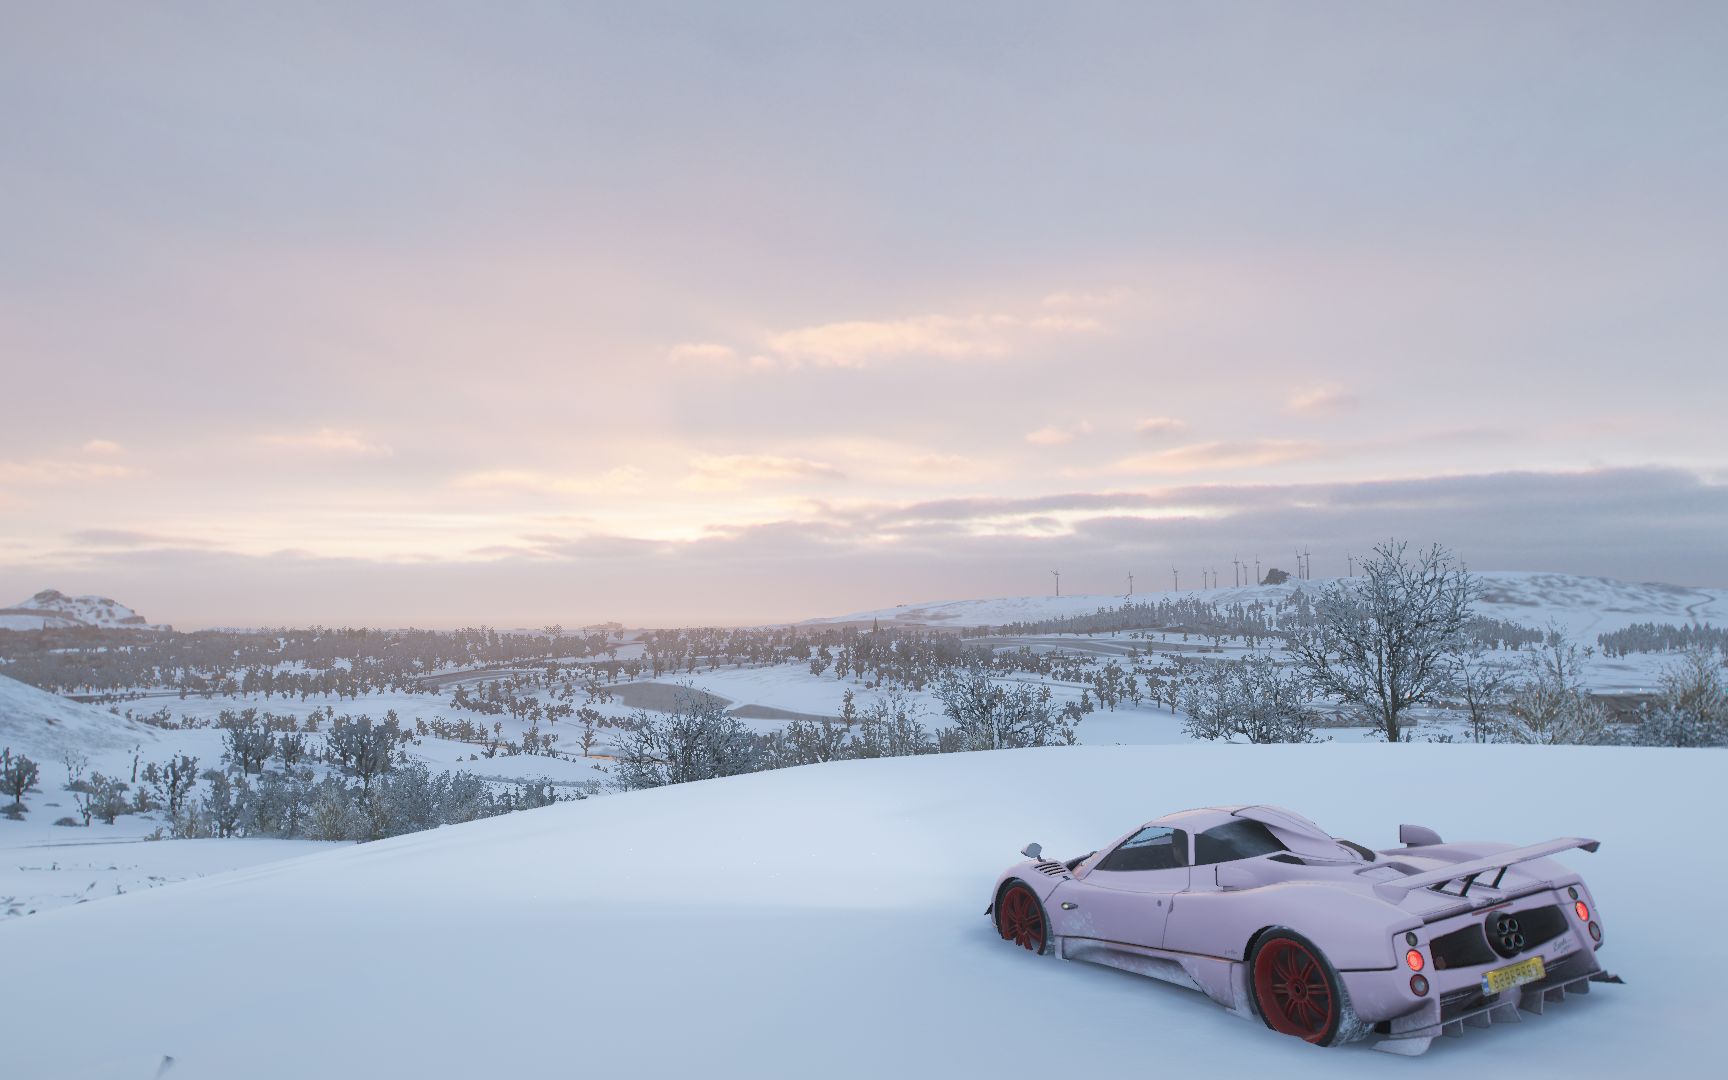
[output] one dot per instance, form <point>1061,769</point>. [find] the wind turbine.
<point>1058,575</point>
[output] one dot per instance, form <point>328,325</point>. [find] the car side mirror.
<point>1033,851</point>
<point>1417,836</point>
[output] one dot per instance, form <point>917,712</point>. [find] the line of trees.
<point>369,790</point>
<point>698,740</point>
<point>1664,637</point>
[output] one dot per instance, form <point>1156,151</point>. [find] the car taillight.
<point>1595,933</point>
<point>1414,959</point>
<point>1583,911</point>
<point>1418,985</point>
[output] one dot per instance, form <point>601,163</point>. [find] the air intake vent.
<point>1054,869</point>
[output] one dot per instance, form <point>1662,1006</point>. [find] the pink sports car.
<point>1323,939</point>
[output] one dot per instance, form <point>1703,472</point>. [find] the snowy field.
<point>45,866</point>
<point>828,921</point>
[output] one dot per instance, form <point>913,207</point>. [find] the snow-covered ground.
<point>47,727</point>
<point>45,866</point>
<point>828,921</point>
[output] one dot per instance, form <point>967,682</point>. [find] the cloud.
<point>701,352</point>
<point>327,441</point>
<point>1247,454</point>
<point>730,471</point>
<point>1154,427</point>
<point>860,343</point>
<point>102,446</point>
<point>1321,401</point>
<point>51,471</point>
<point>129,538</point>
<point>1081,299</point>
<point>1634,524</point>
<point>1057,435</point>
<point>625,479</point>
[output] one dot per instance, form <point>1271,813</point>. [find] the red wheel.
<point>1020,917</point>
<point>1297,992</point>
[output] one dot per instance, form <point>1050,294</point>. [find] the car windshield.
<point>1235,840</point>
<point>1152,848</point>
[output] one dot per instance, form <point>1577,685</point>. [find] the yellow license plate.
<point>1503,979</point>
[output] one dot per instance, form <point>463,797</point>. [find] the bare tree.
<point>1382,643</point>
<point>172,781</point>
<point>1550,705</point>
<point>591,719</point>
<point>1252,697</point>
<point>989,716</point>
<point>892,727</point>
<point>1481,682</point>
<point>100,796</point>
<point>1692,706</point>
<point>362,748</point>
<point>697,741</point>
<point>247,740</point>
<point>17,775</point>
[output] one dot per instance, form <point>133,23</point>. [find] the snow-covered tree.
<point>892,727</point>
<point>1549,704</point>
<point>100,796</point>
<point>363,748</point>
<point>697,741</point>
<point>1253,697</point>
<point>247,741</point>
<point>18,774</point>
<point>1691,708</point>
<point>1480,681</point>
<point>171,781</point>
<point>1381,643</point>
<point>986,715</point>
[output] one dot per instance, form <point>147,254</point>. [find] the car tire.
<point>1297,991</point>
<point>1020,917</point>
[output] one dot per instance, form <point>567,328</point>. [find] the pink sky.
<point>549,313</point>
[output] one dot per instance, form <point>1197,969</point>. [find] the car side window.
<point>1152,848</point>
<point>1235,840</point>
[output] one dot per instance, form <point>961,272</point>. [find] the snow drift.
<point>828,921</point>
<point>47,726</point>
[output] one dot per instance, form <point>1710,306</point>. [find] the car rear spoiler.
<point>1468,872</point>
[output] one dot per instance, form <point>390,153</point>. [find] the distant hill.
<point>1584,606</point>
<point>46,726</point>
<point>51,609</point>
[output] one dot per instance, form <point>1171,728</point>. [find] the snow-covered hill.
<point>47,726</point>
<point>1585,606</point>
<point>828,921</point>
<point>54,610</point>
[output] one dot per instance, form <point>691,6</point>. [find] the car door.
<point>1126,896</point>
